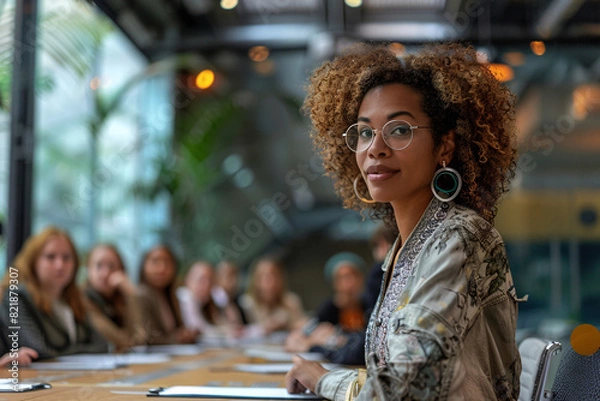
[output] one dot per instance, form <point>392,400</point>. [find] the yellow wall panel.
<point>543,215</point>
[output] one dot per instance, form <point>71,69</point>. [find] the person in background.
<point>111,299</point>
<point>381,242</point>
<point>341,318</point>
<point>198,309</point>
<point>160,308</point>
<point>430,146</point>
<point>226,291</point>
<point>267,304</point>
<point>51,313</point>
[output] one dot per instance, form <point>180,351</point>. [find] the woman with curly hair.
<point>427,143</point>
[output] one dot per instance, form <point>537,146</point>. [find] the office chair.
<point>536,355</point>
<point>577,377</point>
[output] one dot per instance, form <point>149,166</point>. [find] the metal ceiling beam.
<point>554,16</point>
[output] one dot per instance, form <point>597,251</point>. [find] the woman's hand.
<point>25,356</point>
<point>119,280</point>
<point>186,336</point>
<point>296,341</point>
<point>303,376</point>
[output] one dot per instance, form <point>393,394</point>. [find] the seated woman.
<point>341,318</point>
<point>160,307</point>
<point>267,305</point>
<point>110,299</point>
<point>430,148</point>
<point>198,309</point>
<point>226,291</point>
<point>51,310</point>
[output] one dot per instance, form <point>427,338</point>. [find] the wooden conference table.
<point>209,367</point>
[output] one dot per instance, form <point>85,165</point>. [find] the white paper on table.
<point>119,359</point>
<point>273,367</point>
<point>281,356</point>
<point>106,365</point>
<point>169,349</point>
<point>262,393</point>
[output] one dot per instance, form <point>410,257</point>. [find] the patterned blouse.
<point>444,325</point>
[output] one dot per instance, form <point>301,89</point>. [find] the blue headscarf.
<point>336,260</point>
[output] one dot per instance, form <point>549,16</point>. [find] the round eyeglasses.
<point>397,135</point>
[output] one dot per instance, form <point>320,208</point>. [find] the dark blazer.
<point>45,333</point>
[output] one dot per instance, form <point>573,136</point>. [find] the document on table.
<point>273,367</point>
<point>256,393</point>
<point>280,356</point>
<point>78,365</point>
<point>8,386</point>
<point>118,359</point>
<point>169,349</point>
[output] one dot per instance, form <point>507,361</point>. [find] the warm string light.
<point>258,53</point>
<point>502,72</point>
<point>397,48</point>
<point>205,79</point>
<point>537,47</point>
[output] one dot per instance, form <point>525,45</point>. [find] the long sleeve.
<point>190,313</point>
<point>293,304</point>
<point>460,286</point>
<point>154,330</point>
<point>40,332</point>
<point>29,324</point>
<point>122,337</point>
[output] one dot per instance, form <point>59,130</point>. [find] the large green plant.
<point>190,170</point>
<point>71,37</point>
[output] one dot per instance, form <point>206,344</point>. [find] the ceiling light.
<point>406,4</point>
<point>258,53</point>
<point>205,79</point>
<point>537,47</point>
<point>397,48</point>
<point>502,72</point>
<point>353,3</point>
<point>229,4</point>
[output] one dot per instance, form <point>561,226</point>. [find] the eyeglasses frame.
<point>376,131</point>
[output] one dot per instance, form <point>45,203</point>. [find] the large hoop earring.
<point>365,200</point>
<point>446,183</point>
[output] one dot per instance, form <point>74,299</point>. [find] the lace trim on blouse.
<point>377,330</point>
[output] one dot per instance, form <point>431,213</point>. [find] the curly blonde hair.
<point>459,93</point>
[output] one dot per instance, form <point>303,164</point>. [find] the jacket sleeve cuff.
<point>333,385</point>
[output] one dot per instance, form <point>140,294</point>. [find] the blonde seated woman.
<point>267,305</point>
<point>198,308</point>
<point>110,299</point>
<point>51,310</point>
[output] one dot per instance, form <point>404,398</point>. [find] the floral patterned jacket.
<point>444,324</point>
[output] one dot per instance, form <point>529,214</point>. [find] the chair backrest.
<point>536,355</point>
<point>577,377</point>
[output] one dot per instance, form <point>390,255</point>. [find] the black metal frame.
<point>22,130</point>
